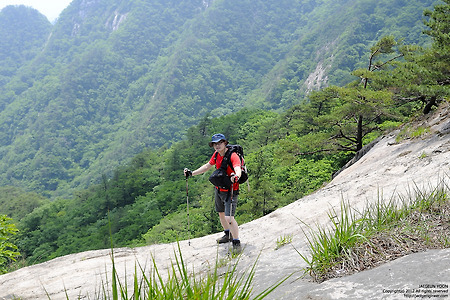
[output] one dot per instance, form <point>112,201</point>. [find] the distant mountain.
<point>116,76</point>
<point>23,33</point>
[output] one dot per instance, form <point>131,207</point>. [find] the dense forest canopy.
<point>23,32</point>
<point>73,113</point>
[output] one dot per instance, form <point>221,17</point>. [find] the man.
<point>223,196</point>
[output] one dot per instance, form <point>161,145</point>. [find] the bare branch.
<point>378,67</point>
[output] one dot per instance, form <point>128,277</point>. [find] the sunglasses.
<point>219,142</point>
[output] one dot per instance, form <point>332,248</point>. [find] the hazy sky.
<point>50,8</point>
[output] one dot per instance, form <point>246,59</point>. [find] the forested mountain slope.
<point>115,77</point>
<point>23,32</point>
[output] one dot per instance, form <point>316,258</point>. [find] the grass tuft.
<point>283,240</point>
<point>385,230</point>
<point>181,284</point>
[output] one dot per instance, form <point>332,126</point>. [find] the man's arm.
<point>238,171</point>
<point>202,169</point>
<point>236,162</point>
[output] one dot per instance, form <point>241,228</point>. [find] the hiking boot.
<point>237,249</point>
<point>225,238</point>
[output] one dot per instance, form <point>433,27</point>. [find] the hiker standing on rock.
<point>222,197</point>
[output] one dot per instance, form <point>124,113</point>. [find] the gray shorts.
<point>222,200</point>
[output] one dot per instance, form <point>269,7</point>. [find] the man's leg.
<point>220,209</point>
<point>224,221</point>
<point>230,210</point>
<point>226,229</point>
<point>233,227</point>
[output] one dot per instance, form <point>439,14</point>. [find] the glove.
<point>187,172</point>
<point>234,178</point>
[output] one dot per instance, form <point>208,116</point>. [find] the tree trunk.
<point>359,134</point>
<point>429,105</point>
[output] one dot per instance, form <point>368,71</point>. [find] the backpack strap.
<point>215,157</point>
<point>227,159</point>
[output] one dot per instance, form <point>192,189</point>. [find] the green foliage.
<point>348,114</point>
<point>8,250</point>
<point>283,240</point>
<point>17,203</point>
<point>66,226</point>
<point>422,78</point>
<point>172,228</point>
<point>112,78</point>
<point>146,200</point>
<point>23,31</point>
<point>409,132</point>
<point>437,60</point>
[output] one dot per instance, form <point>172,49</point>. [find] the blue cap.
<point>217,138</point>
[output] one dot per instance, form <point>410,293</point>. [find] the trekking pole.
<point>187,203</point>
<point>231,212</point>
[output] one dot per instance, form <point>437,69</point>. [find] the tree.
<point>348,114</point>
<point>8,251</point>
<point>436,60</point>
<point>263,194</point>
<point>17,203</point>
<point>424,75</point>
<point>438,56</point>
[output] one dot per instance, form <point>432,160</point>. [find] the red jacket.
<point>235,161</point>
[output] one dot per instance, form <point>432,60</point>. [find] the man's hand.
<point>234,178</point>
<point>187,172</point>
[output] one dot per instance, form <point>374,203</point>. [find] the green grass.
<point>423,155</point>
<point>385,230</point>
<point>181,284</point>
<point>409,132</point>
<point>327,245</point>
<point>283,240</point>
